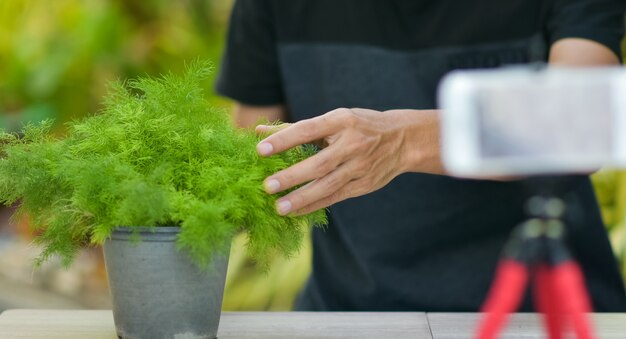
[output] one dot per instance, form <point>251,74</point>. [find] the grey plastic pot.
<point>157,291</point>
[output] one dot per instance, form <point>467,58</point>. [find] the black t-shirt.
<point>423,242</point>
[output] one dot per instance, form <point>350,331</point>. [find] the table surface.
<point>68,324</point>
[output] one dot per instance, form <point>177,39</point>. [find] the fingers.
<point>302,132</point>
<point>345,192</point>
<point>265,148</point>
<point>308,169</point>
<point>271,129</point>
<point>329,175</point>
<point>329,187</point>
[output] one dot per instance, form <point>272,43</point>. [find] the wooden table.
<point>52,324</point>
<point>521,325</point>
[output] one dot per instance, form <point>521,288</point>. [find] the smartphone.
<point>530,120</point>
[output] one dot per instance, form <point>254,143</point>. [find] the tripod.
<point>537,253</point>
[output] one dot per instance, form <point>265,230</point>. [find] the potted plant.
<point>164,182</point>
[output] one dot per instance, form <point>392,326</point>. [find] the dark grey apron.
<point>423,242</point>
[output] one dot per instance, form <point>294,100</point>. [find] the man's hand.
<point>362,150</point>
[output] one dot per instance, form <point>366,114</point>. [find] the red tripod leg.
<point>504,297</point>
<point>547,303</point>
<point>569,282</point>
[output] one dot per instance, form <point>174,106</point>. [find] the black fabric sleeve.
<point>249,71</point>
<point>598,20</point>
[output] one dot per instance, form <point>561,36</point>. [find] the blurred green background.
<point>56,58</point>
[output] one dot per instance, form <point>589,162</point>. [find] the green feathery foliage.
<point>156,156</point>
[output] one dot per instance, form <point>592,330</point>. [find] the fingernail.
<point>264,148</point>
<point>272,186</point>
<point>284,207</point>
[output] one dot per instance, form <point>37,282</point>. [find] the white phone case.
<point>524,121</point>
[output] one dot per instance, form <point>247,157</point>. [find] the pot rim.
<point>147,229</point>
<point>145,233</point>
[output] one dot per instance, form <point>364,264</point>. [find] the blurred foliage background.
<point>56,58</point>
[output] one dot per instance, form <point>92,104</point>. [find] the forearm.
<point>421,151</point>
<point>581,52</point>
